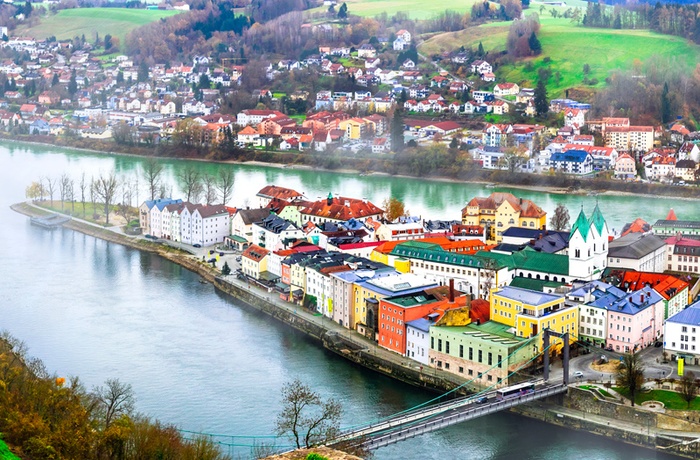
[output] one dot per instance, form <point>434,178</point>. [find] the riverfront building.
<point>501,211</point>
<point>682,334</point>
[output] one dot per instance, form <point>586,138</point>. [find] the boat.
<point>490,185</point>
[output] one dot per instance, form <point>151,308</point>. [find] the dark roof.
<point>253,215</point>
<point>635,245</point>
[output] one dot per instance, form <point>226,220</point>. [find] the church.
<point>588,246</point>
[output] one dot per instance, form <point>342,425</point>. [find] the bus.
<point>515,391</point>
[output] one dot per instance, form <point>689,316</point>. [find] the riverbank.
<point>339,340</point>
<point>379,166</point>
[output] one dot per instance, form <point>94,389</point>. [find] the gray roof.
<point>635,246</point>
<point>527,296</point>
<point>253,215</point>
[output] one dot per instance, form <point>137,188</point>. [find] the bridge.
<point>421,420</point>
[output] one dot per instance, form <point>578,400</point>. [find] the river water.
<point>197,359</point>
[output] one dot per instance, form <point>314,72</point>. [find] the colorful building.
<point>500,211</point>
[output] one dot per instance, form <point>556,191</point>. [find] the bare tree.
<point>70,195</point>
<point>190,180</point>
<point>630,374</point>
<point>152,171</point>
<point>560,219</point>
<point>113,400</point>
<point>105,188</point>
<point>689,387</point>
<point>83,185</point>
<point>306,417</point>
<point>50,187</point>
<point>209,185</point>
<point>63,188</point>
<point>225,184</point>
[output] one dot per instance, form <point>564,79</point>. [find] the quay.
<point>49,222</point>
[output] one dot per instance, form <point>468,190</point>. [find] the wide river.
<point>196,359</point>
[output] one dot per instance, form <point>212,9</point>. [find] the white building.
<point>418,340</point>
<point>271,232</point>
<point>682,334</point>
<point>639,252</point>
<point>588,246</point>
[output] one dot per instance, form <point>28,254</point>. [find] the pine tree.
<point>535,44</point>
<point>397,141</point>
<point>541,103</point>
<point>480,52</point>
<point>72,85</point>
<point>343,11</point>
<point>665,105</point>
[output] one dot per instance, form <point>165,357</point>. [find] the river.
<point>196,359</point>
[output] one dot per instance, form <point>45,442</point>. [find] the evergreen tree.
<point>54,80</point>
<point>665,105</point>
<point>397,142</point>
<point>535,44</point>
<point>72,85</point>
<point>108,42</point>
<point>343,11</point>
<point>143,71</point>
<point>481,52</point>
<point>225,270</point>
<point>617,24</point>
<point>541,103</point>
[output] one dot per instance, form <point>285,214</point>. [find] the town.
<point>361,107</point>
<point>460,295</point>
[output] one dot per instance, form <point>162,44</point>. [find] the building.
<point>682,254</point>
<point>273,233</point>
<point>485,353</point>
<point>338,209</point>
<point>500,211</point>
<point>145,211</point>
<point>345,298</point>
<point>682,334</point>
<point>576,162</point>
<point>674,291</point>
<point>593,300</point>
<point>625,167</point>
<point>242,222</point>
<point>254,262</point>
<point>530,312</point>
<point>671,226</point>
<point>638,251</point>
<point>635,321</point>
<point>274,192</point>
<point>588,246</point>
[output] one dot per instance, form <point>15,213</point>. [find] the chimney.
<point>452,291</point>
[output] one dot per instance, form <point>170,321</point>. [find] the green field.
<point>569,47</point>
<point>5,453</point>
<point>118,22</point>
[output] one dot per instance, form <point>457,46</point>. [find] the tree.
<point>393,209</point>
<point>397,140</point>
<point>105,188</point>
<point>113,400</point>
<point>541,103</point>
<point>190,180</point>
<point>63,188</point>
<point>343,11</point>
<point>34,191</point>
<point>225,270</point>
<point>50,188</point>
<point>665,105</point>
<point>689,387</point>
<point>630,374</point>
<point>560,219</point>
<point>306,417</point>
<point>152,171</point>
<point>123,133</point>
<point>480,51</point>
<point>535,44</point>
<point>209,186</point>
<point>225,183</point>
<point>142,74</point>
<point>586,69</point>
<point>83,186</point>
<point>108,42</point>
<point>72,84</point>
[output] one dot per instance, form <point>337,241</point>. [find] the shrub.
<point>315,456</point>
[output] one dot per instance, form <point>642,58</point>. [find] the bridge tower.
<point>565,357</point>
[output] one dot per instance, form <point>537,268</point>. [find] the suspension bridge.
<point>434,415</point>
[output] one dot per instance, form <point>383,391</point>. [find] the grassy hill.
<point>78,21</point>
<point>569,47</point>
<point>5,453</point>
<point>416,9</point>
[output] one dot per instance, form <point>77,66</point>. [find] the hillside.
<point>118,22</point>
<point>416,9</point>
<point>569,47</point>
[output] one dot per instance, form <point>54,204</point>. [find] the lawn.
<point>78,21</point>
<point>569,47</point>
<point>5,453</point>
<point>671,399</point>
<point>90,211</point>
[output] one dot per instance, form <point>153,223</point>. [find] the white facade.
<point>588,246</point>
<point>418,344</point>
<point>682,334</point>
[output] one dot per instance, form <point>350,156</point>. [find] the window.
<point>439,344</point>
<point>461,351</point>
<point>500,361</point>
<point>447,347</point>
<point>461,370</point>
<point>490,356</point>
<point>471,354</point>
<point>432,343</point>
<point>470,372</point>
<point>480,356</point>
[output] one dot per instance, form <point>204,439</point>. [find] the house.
<point>682,334</point>
<point>274,192</point>
<point>481,67</point>
<point>530,312</point>
<point>625,167</point>
<point>254,262</point>
<point>408,64</point>
<point>49,98</point>
<point>682,254</point>
<point>380,145</point>
<point>404,35</point>
<point>400,44</point>
<point>635,321</point>
<point>40,127</point>
<point>366,51</point>
<point>574,118</point>
<point>488,76</point>
<point>275,233</point>
<point>686,169</point>
<point>578,162</point>
<point>593,299</point>
<point>242,222</point>
<point>506,89</point>
<point>501,211</point>
<point>247,135</point>
<point>638,251</point>
<point>28,110</point>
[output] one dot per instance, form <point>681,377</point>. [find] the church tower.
<point>599,228</point>
<point>581,257</point>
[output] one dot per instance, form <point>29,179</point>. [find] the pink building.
<point>635,321</point>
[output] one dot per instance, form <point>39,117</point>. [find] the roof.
<point>273,191</point>
<point>636,301</point>
<point>581,225</point>
<point>341,208</point>
<point>527,296</point>
<point>435,253</point>
<point>634,245</point>
<point>637,226</point>
<point>253,215</point>
<point>574,156</point>
<point>666,285</point>
<point>255,253</point>
<point>690,315</point>
<point>531,260</point>
<point>533,284</point>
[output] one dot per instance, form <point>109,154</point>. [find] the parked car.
<point>658,344</point>
<point>197,245</point>
<point>150,237</point>
<point>221,254</point>
<point>238,259</point>
<point>578,374</point>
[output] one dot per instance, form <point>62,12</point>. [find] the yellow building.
<point>354,128</point>
<point>530,312</point>
<point>254,261</point>
<point>500,211</point>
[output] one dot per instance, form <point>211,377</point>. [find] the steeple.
<point>598,220</point>
<point>671,215</point>
<point>581,225</point>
